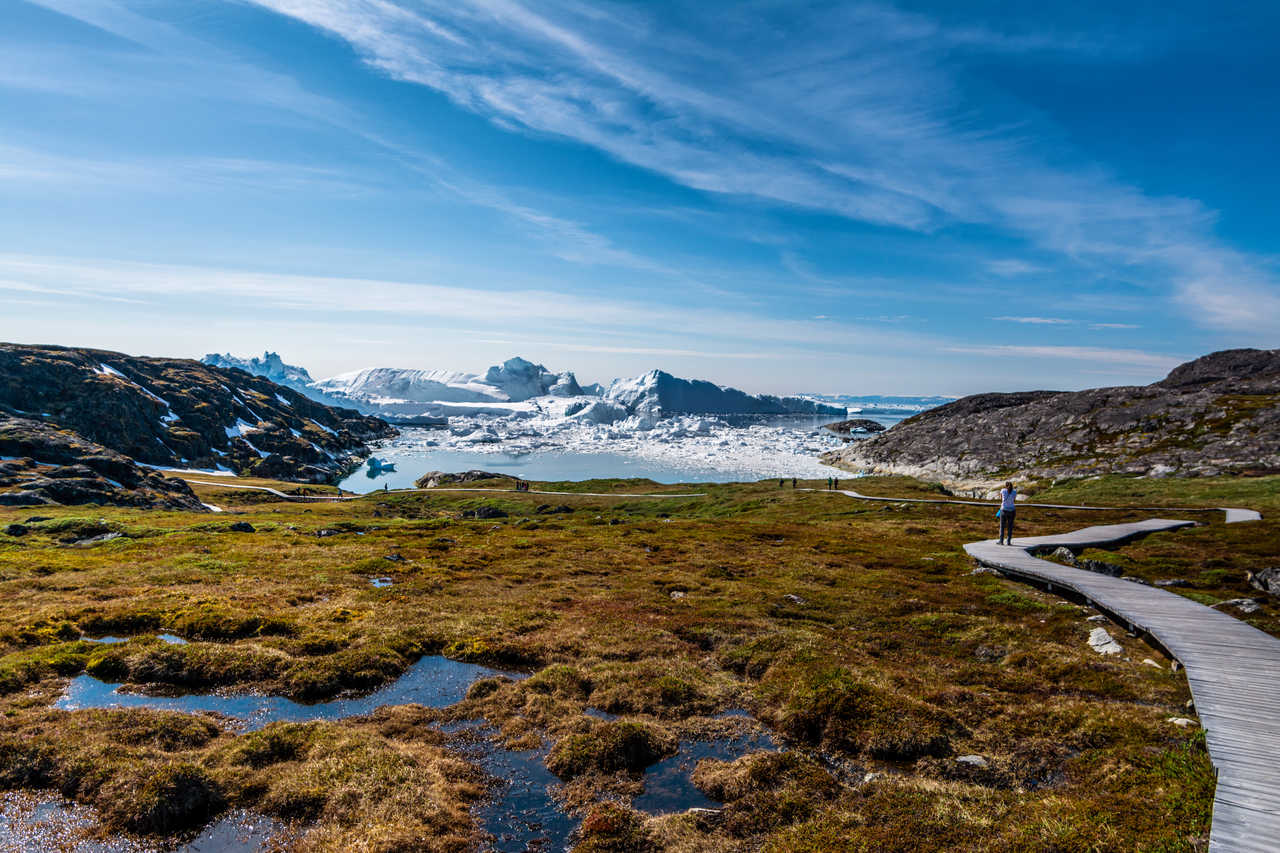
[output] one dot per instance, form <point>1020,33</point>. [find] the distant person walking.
<point>835,483</point>
<point>1008,509</point>
<point>793,482</point>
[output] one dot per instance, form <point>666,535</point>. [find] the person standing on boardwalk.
<point>1008,509</point>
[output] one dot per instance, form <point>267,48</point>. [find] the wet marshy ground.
<point>523,812</point>
<point>41,823</point>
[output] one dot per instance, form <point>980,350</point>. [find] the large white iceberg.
<point>660,394</point>
<point>521,388</point>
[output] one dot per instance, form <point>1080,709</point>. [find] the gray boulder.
<point>1266,580</point>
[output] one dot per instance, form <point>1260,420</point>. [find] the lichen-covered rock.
<point>180,413</point>
<point>1219,413</point>
<point>75,471</point>
<point>1267,580</point>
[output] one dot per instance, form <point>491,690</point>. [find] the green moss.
<point>608,748</point>
<point>834,708</point>
<point>1016,601</point>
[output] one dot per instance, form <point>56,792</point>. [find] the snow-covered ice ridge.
<point>506,389</point>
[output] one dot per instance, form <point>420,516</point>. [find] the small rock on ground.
<point>1103,643</point>
<point>1267,580</point>
<point>1181,722</point>
<point>972,760</point>
<point>1244,605</point>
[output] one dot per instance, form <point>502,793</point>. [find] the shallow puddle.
<point>668,785</point>
<point>433,681</point>
<point>35,823</point>
<point>171,639</point>
<point>522,814</point>
<point>381,583</point>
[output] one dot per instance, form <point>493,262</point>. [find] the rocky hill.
<point>181,413</point>
<point>1219,413</point>
<point>42,464</point>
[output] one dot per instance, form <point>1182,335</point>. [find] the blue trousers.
<point>1006,524</point>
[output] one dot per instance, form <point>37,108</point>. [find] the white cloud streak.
<point>1098,355</point>
<point>1035,321</point>
<point>609,325</point>
<point>855,109</point>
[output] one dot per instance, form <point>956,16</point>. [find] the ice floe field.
<point>678,450</point>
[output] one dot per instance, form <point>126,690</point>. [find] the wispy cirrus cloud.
<point>1035,321</point>
<point>1099,355</point>
<point>612,324</point>
<point>1012,267</point>
<point>857,109</point>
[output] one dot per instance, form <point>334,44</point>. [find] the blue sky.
<point>862,197</point>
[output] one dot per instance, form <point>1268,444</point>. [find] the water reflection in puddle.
<point>39,823</point>
<point>522,814</point>
<point>171,639</point>
<point>433,681</point>
<point>668,785</point>
<point>380,583</point>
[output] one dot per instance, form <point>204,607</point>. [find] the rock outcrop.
<point>181,413</point>
<point>432,479</point>
<point>856,426</point>
<point>1217,414</point>
<point>46,465</point>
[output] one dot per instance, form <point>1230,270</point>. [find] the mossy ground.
<point>854,630</point>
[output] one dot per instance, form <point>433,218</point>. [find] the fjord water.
<point>730,452</point>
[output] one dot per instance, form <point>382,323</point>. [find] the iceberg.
<point>660,394</point>
<point>270,366</point>
<point>519,388</point>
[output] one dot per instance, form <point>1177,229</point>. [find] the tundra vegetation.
<point>856,632</point>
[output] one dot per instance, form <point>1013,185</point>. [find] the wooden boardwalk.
<point>1233,669</point>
